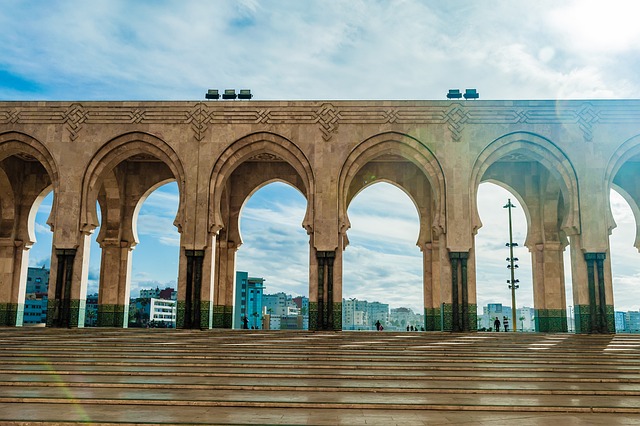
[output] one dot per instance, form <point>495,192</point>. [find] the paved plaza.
<point>123,376</point>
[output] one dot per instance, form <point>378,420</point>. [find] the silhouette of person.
<point>378,325</point>
<point>496,324</point>
<point>407,328</point>
<point>245,323</point>
<point>505,323</point>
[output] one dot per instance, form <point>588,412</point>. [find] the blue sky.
<point>342,49</point>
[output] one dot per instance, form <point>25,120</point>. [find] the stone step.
<point>261,373</point>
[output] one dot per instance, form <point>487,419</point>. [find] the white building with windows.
<point>162,311</point>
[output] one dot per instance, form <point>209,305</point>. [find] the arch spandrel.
<point>115,152</point>
<point>251,146</point>
<point>408,149</point>
<point>542,150</point>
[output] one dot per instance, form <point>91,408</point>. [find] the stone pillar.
<point>191,312</point>
<point>328,312</point>
<point>427,286</point>
<point>459,292</point>
<point>601,316</point>
<point>208,276</point>
<point>14,261</point>
<point>549,289</point>
<point>68,285</point>
<point>59,311</point>
<point>224,271</point>
<point>115,284</point>
<point>580,286</point>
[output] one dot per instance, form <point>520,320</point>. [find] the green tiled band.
<point>551,320</point>
<point>337,316</point>
<point>222,316</point>
<point>11,314</point>
<point>76,312</point>
<point>113,316</point>
<point>583,319</point>
<point>313,316</point>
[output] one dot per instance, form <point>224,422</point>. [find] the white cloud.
<point>343,49</point>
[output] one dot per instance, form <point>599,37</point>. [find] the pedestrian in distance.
<point>496,324</point>
<point>505,323</point>
<point>378,325</point>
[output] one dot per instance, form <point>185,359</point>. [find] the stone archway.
<point>246,165</point>
<point>120,176</point>
<point>544,181</point>
<point>27,173</point>
<point>410,165</point>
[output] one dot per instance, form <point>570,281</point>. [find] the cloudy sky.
<point>349,49</point>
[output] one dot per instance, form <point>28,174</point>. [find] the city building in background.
<point>154,308</point>
<point>91,310</point>
<point>249,291</point>
<point>36,298</point>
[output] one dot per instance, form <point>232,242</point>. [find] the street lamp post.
<point>513,283</point>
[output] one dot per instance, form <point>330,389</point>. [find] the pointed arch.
<point>17,143</point>
<point>257,144</point>
<point>113,153</point>
<point>398,144</point>
<point>546,153</point>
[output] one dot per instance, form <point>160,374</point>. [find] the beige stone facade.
<point>559,158</point>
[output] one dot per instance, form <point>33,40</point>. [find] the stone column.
<point>427,286</point>
<point>223,283</point>
<point>68,285</point>
<point>549,289</point>
<point>329,313</point>
<point>207,285</point>
<point>191,313</point>
<point>601,316</point>
<point>115,284</point>
<point>14,260</point>
<point>459,291</point>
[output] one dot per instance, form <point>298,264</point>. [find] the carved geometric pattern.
<point>199,117</point>
<point>455,118</point>
<point>328,117</point>
<point>263,116</point>
<point>73,118</point>
<point>265,156</point>
<point>137,116</point>
<point>587,117</point>
<point>392,115</point>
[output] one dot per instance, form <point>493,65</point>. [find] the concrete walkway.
<point>114,376</point>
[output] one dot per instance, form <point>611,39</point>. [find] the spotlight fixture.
<point>245,94</point>
<point>229,94</point>
<point>454,94</point>
<point>212,94</point>
<point>471,94</point>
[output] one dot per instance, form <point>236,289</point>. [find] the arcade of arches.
<point>560,159</point>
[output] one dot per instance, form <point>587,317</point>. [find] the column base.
<point>76,313</point>
<point>11,314</point>
<point>313,316</point>
<point>113,316</point>
<point>583,320</point>
<point>222,316</point>
<point>432,319</point>
<point>551,320</point>
<point>206,314</point>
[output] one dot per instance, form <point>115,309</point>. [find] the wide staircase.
<point>133,376</point>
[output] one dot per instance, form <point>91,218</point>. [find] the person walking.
<point>505,323</point>
<point>378,325</point>
<point>496,324</point>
